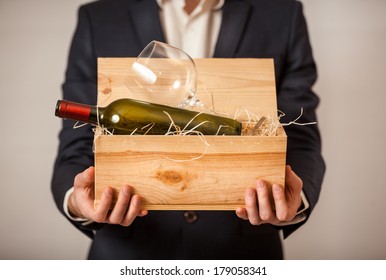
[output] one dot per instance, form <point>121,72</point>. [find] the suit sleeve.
<point>295,93</point>
<point>75,149</point>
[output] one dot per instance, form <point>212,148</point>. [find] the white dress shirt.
<point>195,33</point>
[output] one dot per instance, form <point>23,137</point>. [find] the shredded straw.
<point>253,125</point>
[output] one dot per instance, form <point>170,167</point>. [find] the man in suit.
<point>230,28</point>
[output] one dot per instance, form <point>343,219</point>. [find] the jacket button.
<point>190,216</point>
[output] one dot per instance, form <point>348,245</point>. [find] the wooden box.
<point>181,172</point>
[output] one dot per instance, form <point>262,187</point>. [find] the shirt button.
<point>190,216</point>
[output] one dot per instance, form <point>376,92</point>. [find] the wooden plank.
<point>173,172</point>
<point>232,84</point>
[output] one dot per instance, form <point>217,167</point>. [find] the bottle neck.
<point>76,111</point>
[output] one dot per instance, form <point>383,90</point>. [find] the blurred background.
<point>349,42</point>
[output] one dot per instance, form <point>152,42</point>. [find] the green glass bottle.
<point>130,116</point>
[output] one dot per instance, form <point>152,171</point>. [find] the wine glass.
<point>165,75</point>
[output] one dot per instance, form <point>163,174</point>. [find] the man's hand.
<point>287,201</point>
<point>81,202</point>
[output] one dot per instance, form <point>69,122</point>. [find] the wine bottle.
<point>130,116</point>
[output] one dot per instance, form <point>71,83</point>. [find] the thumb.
<point>85,179</point>
<point>292,180</point>
<point>89,174</point>
<point>81,202</point>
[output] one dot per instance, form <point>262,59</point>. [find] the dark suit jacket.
<point>250,28</point>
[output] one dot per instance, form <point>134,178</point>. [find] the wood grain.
<point>232,84</point>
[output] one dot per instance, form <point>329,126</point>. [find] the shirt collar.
<point>217,6</point>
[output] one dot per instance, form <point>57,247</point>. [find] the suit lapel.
<point>235,17</point>
<point>146,20</point>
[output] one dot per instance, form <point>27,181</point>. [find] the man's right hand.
<point>81,202</point>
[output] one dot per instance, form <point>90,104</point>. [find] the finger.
<point>132,211</point>
<point>292,191</point>
<point>82,199</point>
<point>281,206</point>
<point>142,213</point>
<point>293,180</point>
<point>103,209</point>
<point>251,206</point>
<point>120,208</point>
<point>242,213</point>
<point>85,179</point>
<point>265,210</point>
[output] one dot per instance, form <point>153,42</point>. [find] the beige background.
<point>349,40</point>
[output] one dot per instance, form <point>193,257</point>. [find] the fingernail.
<point>260,184</point>
<point>86,177</point>
<point>289,167</point>
<point>276,188</point>
<point>126,190</point>
<point>250,192</point>
<point>136,201</point>
<point>108,192</point>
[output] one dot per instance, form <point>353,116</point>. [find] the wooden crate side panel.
<point>175,174</point>
<point>232,84</point>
